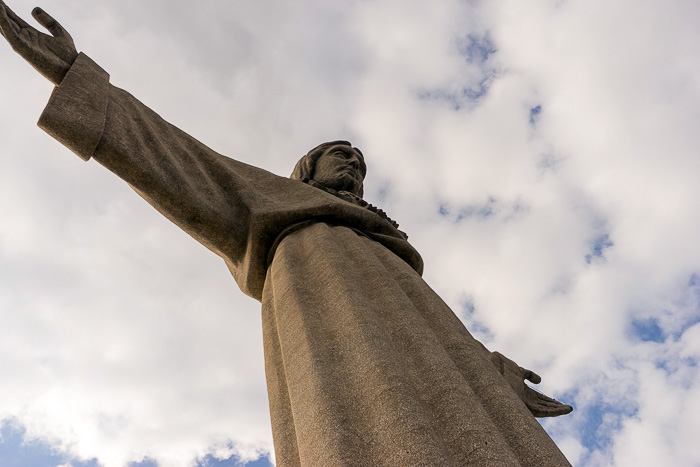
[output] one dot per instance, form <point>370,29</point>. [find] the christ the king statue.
<point>365,364</point>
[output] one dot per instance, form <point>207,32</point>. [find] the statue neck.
<point>356,200</point>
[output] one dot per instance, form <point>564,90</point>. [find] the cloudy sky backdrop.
<point>542,156</point>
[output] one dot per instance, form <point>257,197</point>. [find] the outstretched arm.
<point>234,209</point>
<point>51,55</point>
<point>85,112</point>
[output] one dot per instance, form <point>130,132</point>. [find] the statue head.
<point>336,165</point>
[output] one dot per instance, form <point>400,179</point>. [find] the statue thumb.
<point>48,22</point>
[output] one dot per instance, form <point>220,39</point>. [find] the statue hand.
<point>539,404</point>
<point>51,55</point>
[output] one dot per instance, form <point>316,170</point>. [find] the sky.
<point>542,156</point>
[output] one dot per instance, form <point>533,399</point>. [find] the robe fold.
<point>365,364</point>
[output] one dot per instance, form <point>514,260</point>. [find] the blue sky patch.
<point>476,327</point>
<point>602,421</point>
<point>598,421</point>
<point>483,211</point>
<point>475,48</point>
<point>598,248</point>
<point>144,463</point>
<point>647,330</point>
<point>459,99</point>
<point>16,452</point>
<point>691,321</point>
<point>233,461</point>
<point>476,93</point>
<point>594,419</point>
<point>489,209</point>
<point>535,114</point>
<point>692,300</point>
<point>472,211</point>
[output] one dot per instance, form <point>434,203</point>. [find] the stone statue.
<point>365,364</point>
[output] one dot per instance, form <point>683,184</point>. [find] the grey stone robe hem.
<point>365,364</point>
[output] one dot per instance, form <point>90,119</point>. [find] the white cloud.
<point>125,338</point>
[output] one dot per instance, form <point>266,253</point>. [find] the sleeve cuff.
<point>76,113</point>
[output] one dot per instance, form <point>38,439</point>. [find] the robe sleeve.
<point>206,194</point>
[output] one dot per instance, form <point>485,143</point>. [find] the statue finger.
<point>546,401</point>
<point>551,403</point>
<point>565,409</point>
<point>19,23</point>
<point>7,26</point>
<point>555,411</point>
<point>532,376</point>
<point>543,398</point>
<point>49,23</point>
<point>3,21</point>
<point>552,411</point>
<point>10,29</point>
<point>549,408</point>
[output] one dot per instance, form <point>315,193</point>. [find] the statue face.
<point>340,168</point>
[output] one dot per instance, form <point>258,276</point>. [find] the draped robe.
<point>365,364</point>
